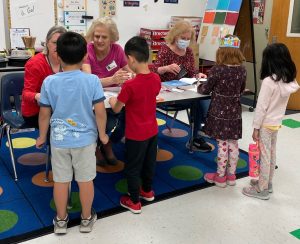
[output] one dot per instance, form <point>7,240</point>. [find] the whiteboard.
<point>38,15</point>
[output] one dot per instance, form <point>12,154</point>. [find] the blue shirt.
<point>71,96</point>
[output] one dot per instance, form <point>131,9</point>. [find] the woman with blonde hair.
<point>107,60</point>
<point>176,60</point>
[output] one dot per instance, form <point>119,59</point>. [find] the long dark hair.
<point>278,64</point>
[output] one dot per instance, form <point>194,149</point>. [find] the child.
<point>139,96</point>
<point>226,82</point>
<point>70,96</point>
<point>278,73</point>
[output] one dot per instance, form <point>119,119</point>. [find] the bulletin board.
<point>220,18</point>
<point>38,15</point>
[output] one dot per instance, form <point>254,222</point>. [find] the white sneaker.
<point>86,225</point>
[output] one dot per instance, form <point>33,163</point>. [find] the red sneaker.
<point>147,196</point>
<point>126,202</point>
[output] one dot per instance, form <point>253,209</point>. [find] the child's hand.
<point>201,75</point>
<point>255,135</point>
<point>112,101</point>
<point>104,139</point>
<point>40,142</point>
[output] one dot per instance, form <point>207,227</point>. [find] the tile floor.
<point>212,215</point>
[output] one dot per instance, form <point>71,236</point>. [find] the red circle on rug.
<point>39,179</point>
<point>163,155</point>
<point>1,190</point>
<point>33,159</point>
<point>111,168</point>
<point>175,132</point>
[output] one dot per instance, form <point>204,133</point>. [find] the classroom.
<point>149,121</point>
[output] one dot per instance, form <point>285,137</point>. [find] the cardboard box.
<point>193,20</point>
<point>153,34</point>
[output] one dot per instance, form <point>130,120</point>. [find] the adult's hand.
<point>201,75</point>
<point>172,68</point>
<point>120,77</point>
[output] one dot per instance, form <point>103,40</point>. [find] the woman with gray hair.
<point>36,70</point>
<point>107,60</point>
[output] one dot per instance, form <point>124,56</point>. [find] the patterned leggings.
<point>228,156</point>
<point>267,147</point>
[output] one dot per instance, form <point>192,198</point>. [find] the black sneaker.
<point>199,144</point>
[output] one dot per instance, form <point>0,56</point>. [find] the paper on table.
<point>189,81</point>
<point>109,94</point>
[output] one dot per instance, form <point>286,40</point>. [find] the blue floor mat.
<point>27,209</point>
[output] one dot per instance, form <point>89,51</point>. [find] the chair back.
<point>11,91</point>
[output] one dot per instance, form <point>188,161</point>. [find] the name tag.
<point>111,66</point>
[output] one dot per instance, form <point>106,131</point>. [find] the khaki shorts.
<point>80,161</point>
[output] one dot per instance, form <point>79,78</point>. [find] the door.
<point>278,33</point>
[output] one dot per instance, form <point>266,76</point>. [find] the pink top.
<point>272,101</point>
<point>107,67</point>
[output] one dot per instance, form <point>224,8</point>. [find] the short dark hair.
<point>277,63</point>
<point>71,47</point>
<point>138,48</point>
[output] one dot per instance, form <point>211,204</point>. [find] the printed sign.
<point>131,3</point>
<point>171,1</point>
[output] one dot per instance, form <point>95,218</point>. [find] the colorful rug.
<point>27,207</point>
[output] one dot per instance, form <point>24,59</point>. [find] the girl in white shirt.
<point>278,73</point>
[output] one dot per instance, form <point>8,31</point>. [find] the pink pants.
<point>228,156</point>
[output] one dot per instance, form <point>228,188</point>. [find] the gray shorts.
<point>80,161</point>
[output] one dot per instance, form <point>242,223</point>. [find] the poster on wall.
<point>74,5</point>
<point>258,11</point>
<point>220,18</point>
<point>107,8</point>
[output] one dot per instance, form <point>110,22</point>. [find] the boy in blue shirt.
<point>67,100</point>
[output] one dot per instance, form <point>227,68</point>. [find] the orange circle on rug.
<point>39,179</point>
<point>175,132</point>
<point>1,190</point>
<point>163,155</point>
<point>111,168</point>
<point>160,122</point>
<point>33,159</point>
<point>22,142</point>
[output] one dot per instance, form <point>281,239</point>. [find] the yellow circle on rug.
<point>160,122</point>
<point>1,190</point>
<point>22,142</point>
<point>111,168</point>
<point>39,179</point>
<point>163,155</point>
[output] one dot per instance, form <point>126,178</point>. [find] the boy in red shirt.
<point>141,129</point>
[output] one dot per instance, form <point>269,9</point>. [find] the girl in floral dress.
<point>226,82</point>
